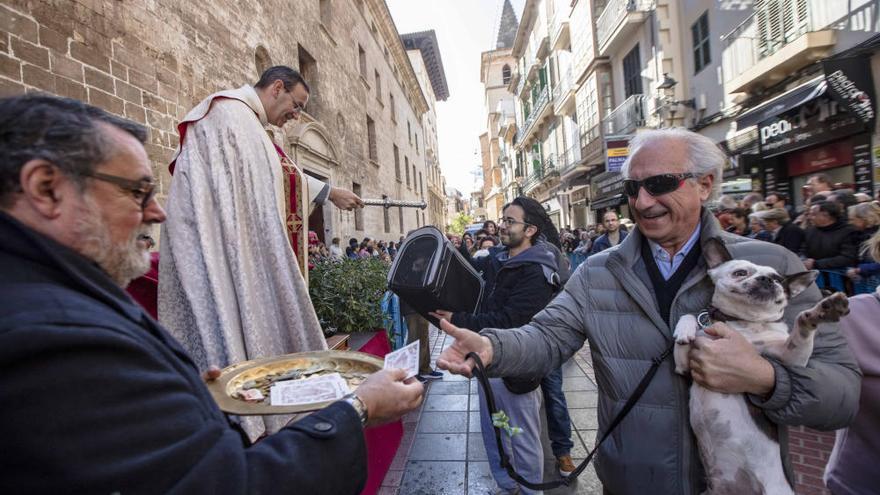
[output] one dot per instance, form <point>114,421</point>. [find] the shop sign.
<point>616,151</point>
<point>861,150</point>
<point>831,155</point>
<point>876,163</point>
<point>850,83</point>
<point>774,179</point>
<point>817,121</point>
<point>578,196</point>
<point>607,184</point>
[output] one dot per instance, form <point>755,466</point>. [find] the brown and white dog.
<point>738,444</point>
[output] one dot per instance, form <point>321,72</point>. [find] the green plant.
<point>502,420</point>
<point>460,223</point>
<point>347,294</point>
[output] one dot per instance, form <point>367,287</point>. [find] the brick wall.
<point>153,61</point>
<point>809,454</point>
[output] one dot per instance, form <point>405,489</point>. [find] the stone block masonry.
<point>153,61</point>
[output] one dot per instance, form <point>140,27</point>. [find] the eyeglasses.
<point>298,108</point>
<point>511,221</point>
<point>656,185</point>
<point>143,190</point>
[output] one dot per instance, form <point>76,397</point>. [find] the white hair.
<point>704,156</point>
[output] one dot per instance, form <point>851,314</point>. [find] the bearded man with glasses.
<point>626,301</point>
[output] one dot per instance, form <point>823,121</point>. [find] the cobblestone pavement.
<point>442,451</point>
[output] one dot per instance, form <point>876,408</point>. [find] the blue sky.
<point>465,28</point>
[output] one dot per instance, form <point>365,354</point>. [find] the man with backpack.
<point>522,276</point>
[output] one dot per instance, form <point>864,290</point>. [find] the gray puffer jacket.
<point>610,301</point>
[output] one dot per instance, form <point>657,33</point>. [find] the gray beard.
<point>124,261</point>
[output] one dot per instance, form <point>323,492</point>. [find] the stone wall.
<point>152,61</point>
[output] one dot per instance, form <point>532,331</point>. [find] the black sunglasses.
<point>142,190</point>
<point>656,185</point>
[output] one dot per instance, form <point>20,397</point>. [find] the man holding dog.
<point>626,301</point>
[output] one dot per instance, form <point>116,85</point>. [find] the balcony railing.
<point>629,116</point>
<point>559,25</point>
<point>537,108</point>
<point>533,179</point>
<point>614,13</point>
<point>562,87</point>
<point>570,159</point>
<point>772,26</point>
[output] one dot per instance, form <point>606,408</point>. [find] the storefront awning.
<point>782,103</point>
<point>609,202</point>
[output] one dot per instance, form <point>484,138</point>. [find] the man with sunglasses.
<point>237,204</point>
<point>98,397</point>
<point>626,301</point>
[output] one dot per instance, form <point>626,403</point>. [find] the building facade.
<point>424,54</point>
<point>802,80</point>
<point>151,62</point>
<point>497,67</point>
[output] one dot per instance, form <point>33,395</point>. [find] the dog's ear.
<point>797,283</point>
<point>715,252</point>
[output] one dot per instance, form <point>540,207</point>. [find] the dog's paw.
<point>828,310</point>
<point>686,330</point>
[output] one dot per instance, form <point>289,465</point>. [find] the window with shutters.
<point>378,87</point>
<point>362,61</point>
<point>700,38</point>
<point>632,73</point>
<point>371,140</point>
<point>779,22</point>
<point>358,212</point>
<point>396,163</point>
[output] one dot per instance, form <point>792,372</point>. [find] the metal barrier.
<point>835,281</point>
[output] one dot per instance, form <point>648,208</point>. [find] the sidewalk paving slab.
<point>443,453</point>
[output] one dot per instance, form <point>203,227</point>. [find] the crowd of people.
<point>366,248</point>
<point>78,209</point>
<point>830,231</point>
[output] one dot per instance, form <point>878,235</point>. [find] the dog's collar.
<point>711,315</point>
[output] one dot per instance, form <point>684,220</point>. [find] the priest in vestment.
<point>231,286</point>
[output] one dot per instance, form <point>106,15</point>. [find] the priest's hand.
<point>388,396</point>
<point>344,199</point>
<point>466,341</point>
<point>212,374</point>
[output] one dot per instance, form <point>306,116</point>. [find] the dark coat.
<point>517,288</point>
<point>834,246</point>
<point>791,237</point>
<point>602,243</point>
<point>98,398</point>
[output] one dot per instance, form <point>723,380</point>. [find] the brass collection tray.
<point>353,366</point>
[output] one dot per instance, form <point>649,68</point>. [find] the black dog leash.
<point>483,379</point>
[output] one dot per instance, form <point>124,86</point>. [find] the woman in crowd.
<point>757,228</point>
<point>468,241</point>
<point>782,230</point>
<point>366,248</point>
<point>490,228</point>
<point>865,217</point>
<point>739,222</point>
<point>852,468</point>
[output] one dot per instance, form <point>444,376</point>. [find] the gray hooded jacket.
<point>610,301</point>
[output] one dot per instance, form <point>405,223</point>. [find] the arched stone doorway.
<point>313,150</point>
